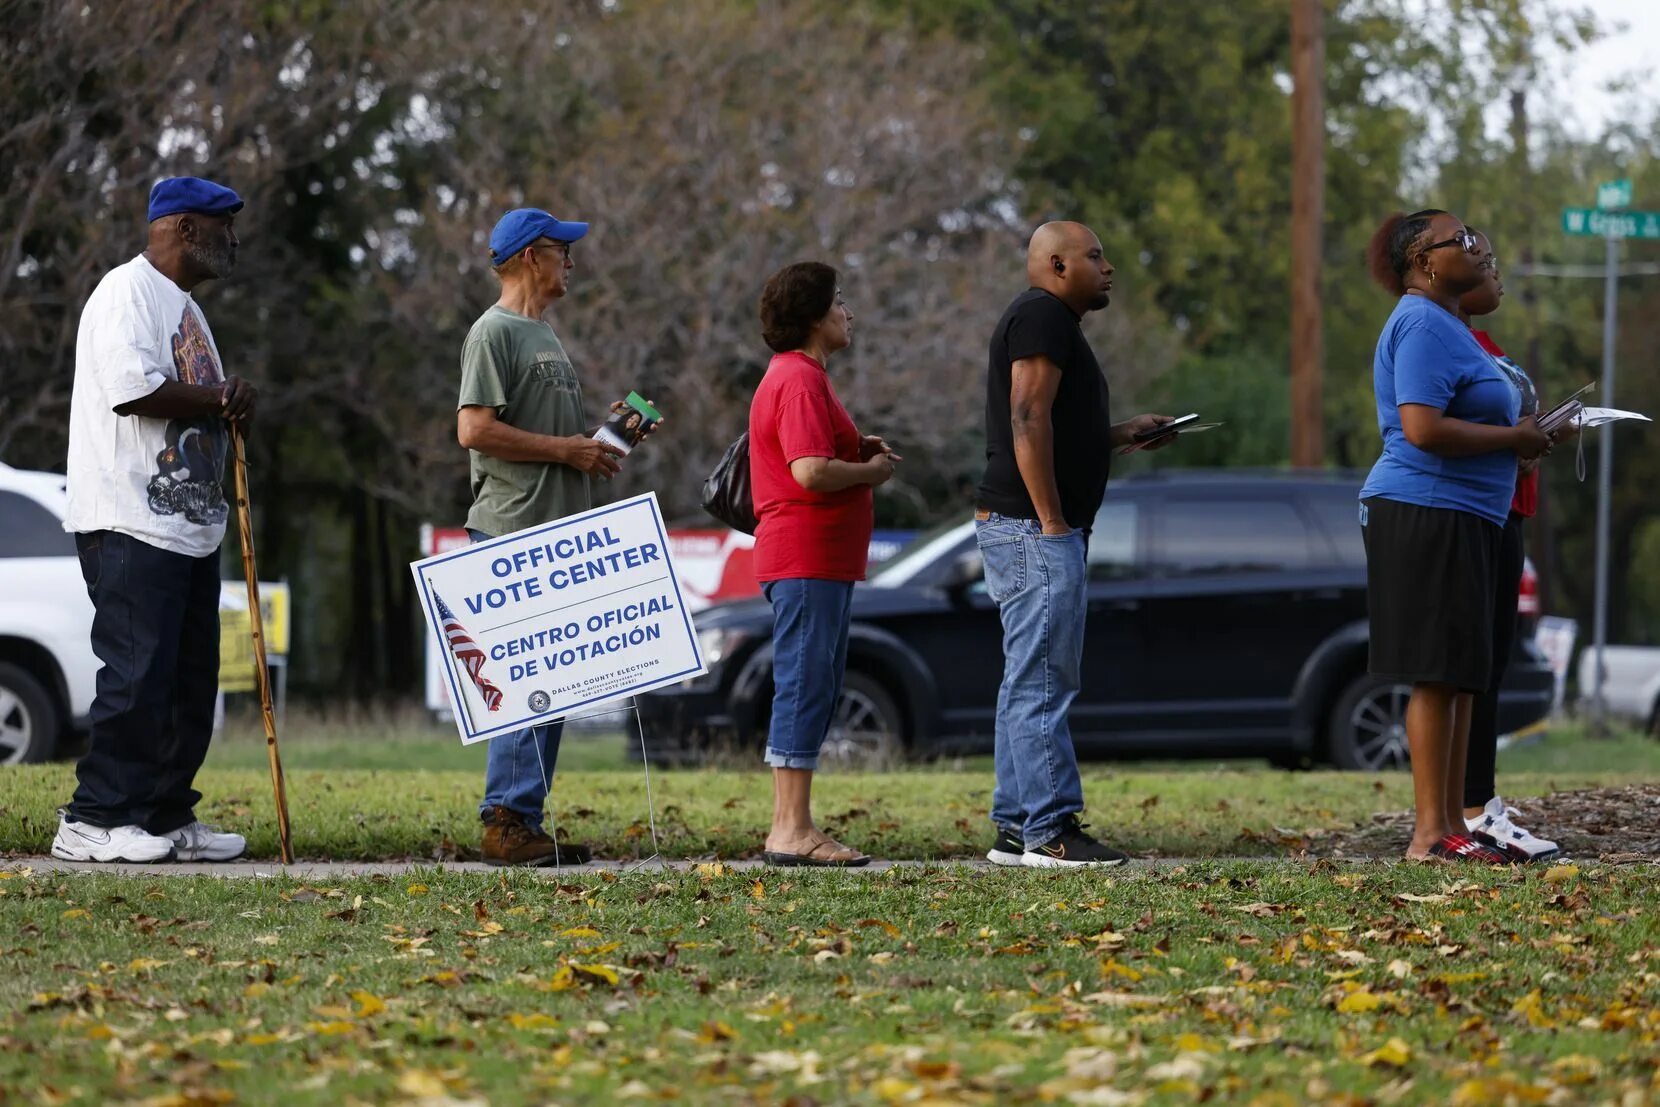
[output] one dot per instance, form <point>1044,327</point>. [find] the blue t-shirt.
<point>1426,356</point>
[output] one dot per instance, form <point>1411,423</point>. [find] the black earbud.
<point>1060,267</point>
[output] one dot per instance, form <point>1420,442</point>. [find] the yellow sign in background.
<point>236,641</point>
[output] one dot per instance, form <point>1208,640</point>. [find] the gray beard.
<point>217,262</point>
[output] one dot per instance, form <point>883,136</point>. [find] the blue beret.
<point>522,226</point>
<point>176,194</point>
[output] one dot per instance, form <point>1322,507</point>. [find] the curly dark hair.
<point>796,297</point>
<point>1390,252</point>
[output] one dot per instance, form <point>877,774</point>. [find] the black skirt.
<point>1429,593</point>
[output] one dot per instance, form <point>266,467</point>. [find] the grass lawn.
<point>370,792</point>
<point>1251,982</point>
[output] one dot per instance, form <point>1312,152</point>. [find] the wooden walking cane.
<point>256,622</point>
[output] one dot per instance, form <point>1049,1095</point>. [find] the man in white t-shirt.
<point>148,440</point>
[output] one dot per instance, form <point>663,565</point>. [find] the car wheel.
<point>28,721</point>
<point>866,728</point>
<point>1368,726</point>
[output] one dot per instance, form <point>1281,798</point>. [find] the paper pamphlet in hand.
<point>629,424</point>
<point>1597,416</point>
<point>1148,437</point>
<point>1191,428</point>
<point>1559,416</point>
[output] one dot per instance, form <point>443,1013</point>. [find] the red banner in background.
<point>715,565</point>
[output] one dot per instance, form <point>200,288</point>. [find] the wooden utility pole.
<point>1308,213</point>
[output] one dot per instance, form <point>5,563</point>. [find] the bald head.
<point>1066,259</point>
<point>1056,240</point>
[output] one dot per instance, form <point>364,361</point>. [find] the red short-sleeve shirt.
<point>803,534</point>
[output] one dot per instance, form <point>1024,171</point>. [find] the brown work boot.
<point>508,841</point>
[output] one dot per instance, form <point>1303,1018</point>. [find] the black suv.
<point>1227,618</point>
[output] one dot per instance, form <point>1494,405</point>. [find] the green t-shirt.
<point>517,366</point>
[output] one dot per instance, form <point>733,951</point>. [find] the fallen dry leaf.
<point>1394,1054</point>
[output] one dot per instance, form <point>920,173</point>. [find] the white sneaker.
<point>200,842</point>
<point>1494,828</point>
<point>85,842</point>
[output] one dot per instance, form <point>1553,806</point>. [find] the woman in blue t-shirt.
<point>1433,508</point>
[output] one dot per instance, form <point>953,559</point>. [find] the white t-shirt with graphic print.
<point>158,480</point>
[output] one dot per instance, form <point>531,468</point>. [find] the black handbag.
<point>726,493</point>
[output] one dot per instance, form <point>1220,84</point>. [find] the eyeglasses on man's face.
<point>564,248</point>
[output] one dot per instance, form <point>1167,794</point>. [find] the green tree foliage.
<point>709,143</point>
<point>913,143</point>
<point>1172,137</point>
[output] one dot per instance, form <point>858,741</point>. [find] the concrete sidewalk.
<point>345,870</point>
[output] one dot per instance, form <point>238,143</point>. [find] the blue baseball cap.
<point>522,226</point>
<point>176,194</point>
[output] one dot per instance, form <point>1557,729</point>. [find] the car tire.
<point>1367,728</point>
<point>867,729</point>
<point>28,718</point>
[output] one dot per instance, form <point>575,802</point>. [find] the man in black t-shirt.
<point>1049,444</point>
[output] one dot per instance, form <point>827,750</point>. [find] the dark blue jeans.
<point>810,620</point>
<point>519,769</point>
<point>155,626</point>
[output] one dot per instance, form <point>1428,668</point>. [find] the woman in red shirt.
<point>1486,815</point>
<point>811,474</point>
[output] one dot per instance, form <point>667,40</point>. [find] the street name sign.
<point>1611,224</point>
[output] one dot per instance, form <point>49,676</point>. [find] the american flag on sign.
<point>467,652</point>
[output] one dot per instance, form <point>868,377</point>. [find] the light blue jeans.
<point>519,768</point>
<point>1038,583</point>
<point>810,620</point>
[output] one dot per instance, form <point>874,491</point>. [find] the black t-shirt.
<point>1039,323</point>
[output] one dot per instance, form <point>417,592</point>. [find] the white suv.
<point>47,668</point>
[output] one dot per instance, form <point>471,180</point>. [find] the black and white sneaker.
<point>1493,828</point>
<point>1008,848</point>
<point>1071,849</point>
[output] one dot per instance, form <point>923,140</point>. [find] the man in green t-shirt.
<point>520,415</point>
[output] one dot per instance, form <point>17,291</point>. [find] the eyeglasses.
<point>564,248</point>
<point>1462,238</point>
